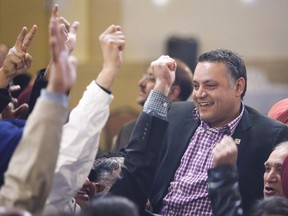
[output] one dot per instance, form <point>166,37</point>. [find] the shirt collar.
<point>227,129</point>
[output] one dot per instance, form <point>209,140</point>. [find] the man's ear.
<point>240,86</point>
<point>99,187</point>
<point>174,93</point>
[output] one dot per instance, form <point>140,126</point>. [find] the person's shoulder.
<point>257,118</point>
<point>181,110</point>
<point>183,105</point>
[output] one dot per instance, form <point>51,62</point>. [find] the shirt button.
<point>165,104</point>
<point>171,212</point>
<point>179,191</point>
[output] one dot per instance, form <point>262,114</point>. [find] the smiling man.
<point>219,85</point>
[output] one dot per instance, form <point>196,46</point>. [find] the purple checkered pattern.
<point>187,194</point>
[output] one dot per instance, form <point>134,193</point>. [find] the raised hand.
<point>63,68</point>
<point>70,32</point>
<point>112,42</point>
<point>225,152</point>
<point>163,70</point>
<point>9,112</point>
<point>18,60</point>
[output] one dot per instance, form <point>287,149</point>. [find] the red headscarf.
<point>279,111</point>
<point>284,177</point>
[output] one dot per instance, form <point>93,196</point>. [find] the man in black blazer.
<point>180,183</point>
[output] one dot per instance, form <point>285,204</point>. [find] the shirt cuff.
<point>157,104</point>
<point>61,99</point>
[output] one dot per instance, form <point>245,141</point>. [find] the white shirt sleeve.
<point>79,146</point>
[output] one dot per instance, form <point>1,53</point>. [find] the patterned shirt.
<point>187,194</point>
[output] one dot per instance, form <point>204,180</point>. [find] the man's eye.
<point>210,86</point>
<point>195,87</point>
<point>279,169</point>
<point>267,169</point>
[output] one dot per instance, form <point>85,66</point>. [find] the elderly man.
<point>223,185</point>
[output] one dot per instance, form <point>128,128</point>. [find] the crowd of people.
<point>212,155</point>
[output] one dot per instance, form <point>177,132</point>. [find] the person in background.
<point>105,171</point>
<point>179,91</point>
<point>279,111</point>
<point>81,134</point>
<point>223,184</point>
<point>271,206</point>
<point>110,205</point>
<point>30,173</point>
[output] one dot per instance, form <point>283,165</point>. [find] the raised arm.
<point>81,134</point>
<point>30,173</point>
<point>70,32</point>
<point>145,145</point>
<point>17,61</point>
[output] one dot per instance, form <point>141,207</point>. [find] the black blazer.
<point>258,135</point>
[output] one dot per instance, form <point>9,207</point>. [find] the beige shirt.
<point>31,169</point>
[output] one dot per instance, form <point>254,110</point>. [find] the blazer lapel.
<point>241,135</point>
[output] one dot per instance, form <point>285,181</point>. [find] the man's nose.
<point>200,92</point>
<point>142,81</point>
<point>272,176</point>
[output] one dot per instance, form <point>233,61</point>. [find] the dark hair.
<point>104,165</point>
<point>183,79</point>
<point>233,62</point>
<point>270,206</point>
<point>105,204</point>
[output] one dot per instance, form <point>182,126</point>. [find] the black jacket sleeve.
<point>223,190</point>
<point>5,98</point>
<point>40,83</point>
<point>140,162</point>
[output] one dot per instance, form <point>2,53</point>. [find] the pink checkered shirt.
<point>187,194</point>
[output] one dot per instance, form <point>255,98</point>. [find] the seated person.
<point>105,171</point>
<point>179,91</point>
<point>223,186</point>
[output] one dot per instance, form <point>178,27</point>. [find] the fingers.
<point>14,88</point>
<point>20,38</point>
<point>28,60</point>
<point>110,29</point>
<point>164,61</point>
<point>28,38</point>
<point>57,37</point>
<point>63,21</point>
<point>55,11</point>
<point>113,36</point>
<point>225,152</point>
<point>74,27</point>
